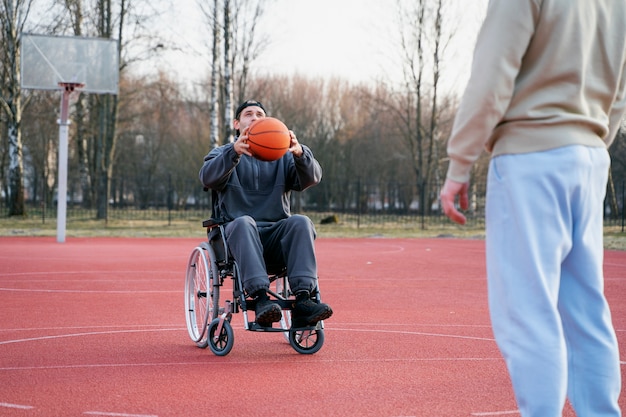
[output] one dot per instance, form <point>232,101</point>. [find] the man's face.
<point>247,116</point>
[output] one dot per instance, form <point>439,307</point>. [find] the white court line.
<point>415,333</point>
<point>318,360</point>
<point>497,413</point>
<point>245,362</point>
<point>32,339</point>
<point>394,249</point>
<point>103,413</point>
<point>385,244</point>
<point>89,291</point>
<point>86,272</point>
<point>125,327</point>
<point>130,326</point>
<point>61,336</point>
<point>20,279</point>
<point>410,324</point>
<point>21,407</point>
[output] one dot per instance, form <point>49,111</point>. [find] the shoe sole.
<point>312,320</point>
<point>270,316</point>
<point>321,316</point>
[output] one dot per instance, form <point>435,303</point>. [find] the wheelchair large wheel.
<point>306,341</point>
<point>221,343</point>
<point>201,293</point>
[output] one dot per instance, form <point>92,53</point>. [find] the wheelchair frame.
<point>211,269</point>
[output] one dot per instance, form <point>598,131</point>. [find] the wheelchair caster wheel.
<point>221,343</point>
<point>306,341</point>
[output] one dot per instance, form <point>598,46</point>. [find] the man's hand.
<point>295,148</point>
<point>241,144</point>
<point>448,196</point>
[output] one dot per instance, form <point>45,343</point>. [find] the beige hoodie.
<point>545,74</point>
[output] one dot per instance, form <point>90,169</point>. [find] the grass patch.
<point>102,228</point>
<point>614,238</point>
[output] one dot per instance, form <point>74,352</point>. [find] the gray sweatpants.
<point>288,242</point>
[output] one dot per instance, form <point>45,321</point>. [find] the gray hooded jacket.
<point>246,186</point>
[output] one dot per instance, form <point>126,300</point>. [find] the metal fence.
<point>371,205</point>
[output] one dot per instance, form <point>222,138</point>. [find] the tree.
<point>13,15</point>
<point>228,73</point>
<point>40,134</point>
<point>247,41</point>
<point>236,43</point>
<point>617,171</point>
<point>96,115</point>
<point>75,10</point>
<point>215,71</point>
<point>418,105</point>
<point>150,134</point>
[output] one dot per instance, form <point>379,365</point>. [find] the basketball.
<point>268,139</point>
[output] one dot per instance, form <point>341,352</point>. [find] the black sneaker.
<point>267,312</point>
<point>307,312</point>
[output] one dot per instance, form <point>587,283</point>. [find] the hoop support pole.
<point>68,88</point>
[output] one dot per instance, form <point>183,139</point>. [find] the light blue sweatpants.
<point>545,252</point>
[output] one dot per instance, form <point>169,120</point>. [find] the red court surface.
<point>96,327</point>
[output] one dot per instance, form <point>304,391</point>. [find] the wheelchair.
<point>214,292</point>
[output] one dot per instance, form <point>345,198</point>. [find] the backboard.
<point>50,62</point>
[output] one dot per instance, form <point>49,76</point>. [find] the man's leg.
<point>245,246</point>
<point>527,238</point>
<point>594,371</point>
<point>293,241</point>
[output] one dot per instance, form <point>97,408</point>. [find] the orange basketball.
<point>268,139</point>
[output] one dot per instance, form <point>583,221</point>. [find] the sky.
<point>352,39</point>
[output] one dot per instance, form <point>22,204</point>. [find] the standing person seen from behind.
<point>546,97</point>
<point>253,200</point>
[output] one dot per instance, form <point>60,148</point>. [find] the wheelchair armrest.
<point>211,223</point>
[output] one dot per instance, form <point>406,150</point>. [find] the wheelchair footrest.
<point>256,327</point>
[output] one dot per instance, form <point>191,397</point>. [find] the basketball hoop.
<point>68,63</point>
<point>70,87</point>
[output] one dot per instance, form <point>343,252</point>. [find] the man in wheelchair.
<point>252,197</point>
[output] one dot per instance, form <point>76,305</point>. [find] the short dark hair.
<point>247,103</point>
